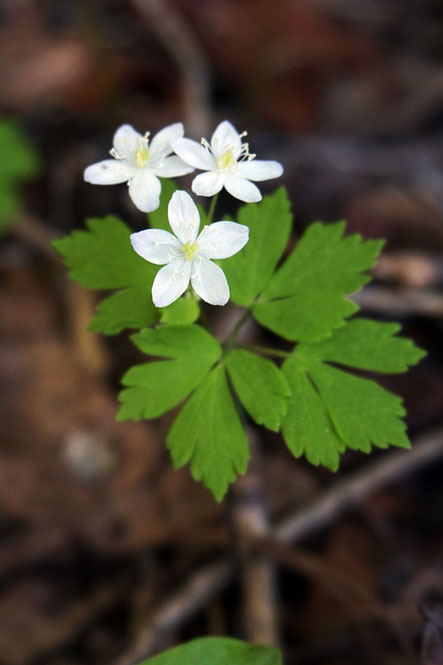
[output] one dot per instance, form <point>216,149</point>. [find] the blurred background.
<point>106,554</point>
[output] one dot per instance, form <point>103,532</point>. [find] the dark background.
<point>106,553</point>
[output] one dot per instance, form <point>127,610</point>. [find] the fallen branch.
<point>209,581</point>
<point>358,486</point>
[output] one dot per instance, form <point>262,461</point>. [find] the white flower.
<point>228,163</point>
<point>138,162</point>
<point>187,257</point>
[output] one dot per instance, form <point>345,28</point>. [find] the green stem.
<point>265,350</point>
<point>236,329</point>
<point>212,208</point>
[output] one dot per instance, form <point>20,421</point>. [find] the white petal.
<point>194,154</point>
<point>224,138</point>
<point>108,172</point>
<point>209,282</point>
<point>171,167</point>
<point>163,139</point>
<point>259,169</point>
<point>171,282</point>
<point>222,239</point>
<point>144,190</point>
<point>183,217</point>
<point>156,245</point>
<point>242,189</point>
<point>126,141</point>
<point>208,184</point>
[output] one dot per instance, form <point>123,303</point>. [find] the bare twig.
<point>250,518</point>
<point>179,607</point>
<point>357,487</point>
<point>182,45</point>
<point>411,268</point>
<point>401,301</point>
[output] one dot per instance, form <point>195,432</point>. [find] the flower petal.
<point>171,282</point>
<point>125,142</point>
<point>171,167</point>
<point>208,184</point>
<point>156,246</point>
<point>161,142</point>
<point>225,137</point>
<point>108,172</point>
<point>222,239</point>
<point>259,169</point>
<point>209,282</point>
<point>242,189</point>
<point>144,190</point>
<point>184,217</point>
<point>194,154</point>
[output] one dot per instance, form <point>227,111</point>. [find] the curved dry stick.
<point>179,40</point>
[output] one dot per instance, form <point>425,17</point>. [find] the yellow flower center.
<point>142,154</point>
<point>189,250</point>
<point>227,160</point>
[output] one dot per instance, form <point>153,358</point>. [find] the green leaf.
<point>260,386</point>
<point>363,412</point>
<point>367,344</point>
<point>102,257</point>
<point>208,434</point>
<point>306,298</point>
<point>269,222</point>
<point>9,204</point>
<point>330,408</point>
<point>307,427</point>
<point>156,387</point>
<point>183,311</point>
<point>130,308</point>
<point>217,651</point>
<point>18,162</point>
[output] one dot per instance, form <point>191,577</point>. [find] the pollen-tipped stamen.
<point>189,250</point>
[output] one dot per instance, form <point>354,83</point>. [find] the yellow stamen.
<point>189,250</point>
<point>226,161</point>
<point>142,154</point>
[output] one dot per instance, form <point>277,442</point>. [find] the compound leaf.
<point>129,308</point>
<point>370,345</point>
<point>269,222</point>
<point>306,299</point>
<point>102,257</point>
<point>217,651</point>
<point>330,408</point>
<point>307,427</point>
<point>363,412</point>
<point>260,386</point>
<point>208,433</point>
<point>156,387</point>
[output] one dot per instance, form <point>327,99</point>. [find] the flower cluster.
<point>186,256</point>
